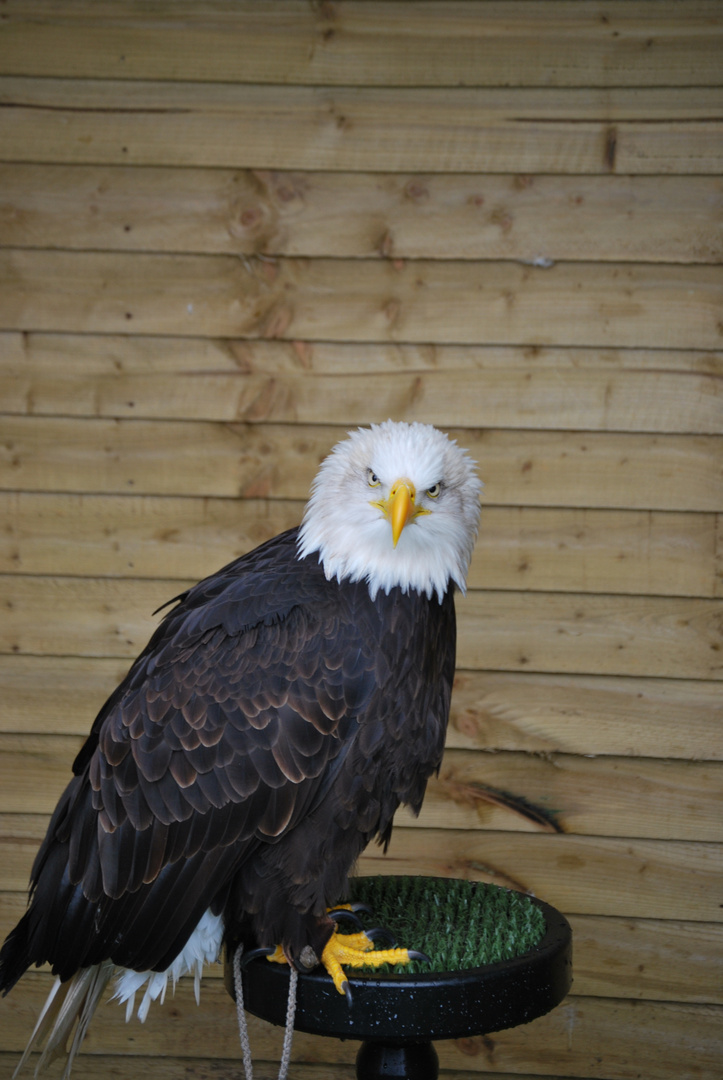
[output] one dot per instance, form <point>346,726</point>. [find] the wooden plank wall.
<point>229,231</point>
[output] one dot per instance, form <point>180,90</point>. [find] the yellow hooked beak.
<point>399,508</point>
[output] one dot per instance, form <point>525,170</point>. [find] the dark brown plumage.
<point>272,726</point>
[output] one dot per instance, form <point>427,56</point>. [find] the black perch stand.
<point>398,1016</point>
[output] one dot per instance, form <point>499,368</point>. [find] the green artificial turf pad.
<point>458,924</point>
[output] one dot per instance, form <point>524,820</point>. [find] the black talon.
<point>340,914</point>
<point>254,954</point>
<point>347,993</point>
<point>380,933</point>
<point>357,905</point>
<point>415,954</point>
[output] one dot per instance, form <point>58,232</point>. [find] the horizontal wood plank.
<point>138,355</point>
<point>610,796</point>
<point>647,958</point>
<point>606,796</point>
<point>543,632</point>
<point>586,715</point>
<point>658,960</point>
<point>517,392</point>
<point>607,104</point>
<point>446,44</point>
<point>567,469</point>
<point>639,552</point>
<point>352,215</point>
<point>538,714</point>
<point>557,549</point>
<point>55,696</point>
<point>140,537</point>
<point>586,400</point>
<point>361,129</point>
<point>596,304</point>
<point>581,1035</point>
<point>578,633</point>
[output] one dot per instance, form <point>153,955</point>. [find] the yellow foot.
<point>354,950</point>
<point>278,956</point>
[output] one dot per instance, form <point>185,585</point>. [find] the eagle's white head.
<point>396,505</point>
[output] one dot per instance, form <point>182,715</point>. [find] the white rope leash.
<point>243,1029</point>
<point>289,1028</point>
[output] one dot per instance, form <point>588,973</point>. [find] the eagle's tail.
<point>68,1002</point>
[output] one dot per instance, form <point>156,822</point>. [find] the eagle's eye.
<point>373,479</point>
<point>434,491</point>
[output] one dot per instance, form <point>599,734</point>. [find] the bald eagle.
<point>281,712</point>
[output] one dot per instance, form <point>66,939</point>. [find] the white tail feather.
<point>66,1004</point>
<point>90,1002</point>
<point>45,1021</point>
